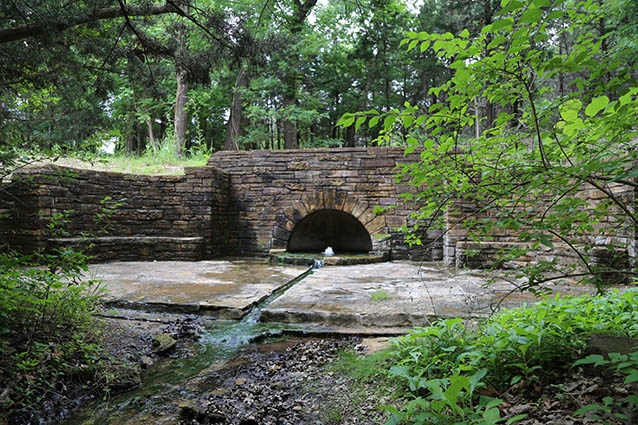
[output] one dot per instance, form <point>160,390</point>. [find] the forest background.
<point>208,75</point>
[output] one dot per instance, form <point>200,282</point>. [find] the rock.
<point>188,410</point>
<point>188,327</point>
<point>604,344</point>
<point>125,376</point>
<point>163,343</point>
<point>146,361</point>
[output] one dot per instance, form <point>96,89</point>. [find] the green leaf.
<point>555,14</point>
<point>358,123</point>
<point>595,359</point>
<point>407,120</point>
<point>412,44</point>
<point>516,418</point>
<point>373,122</point>
<point>631,378</point>
<point>510,7</point>
<point>465,33</point>
<point>569,110</point>
<point>491,416</point>
<point>502,24</point>
<point>497,40</point>
<point>425,45</point>
<point>389,121</point>
<point>596,105</point>
<point>590,408</point>
<point>531,16</point>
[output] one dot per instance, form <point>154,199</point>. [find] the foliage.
<point>45,324</point>
<point>60,87</point>
<point>440,367</point>
<point>625,364</point>
<point>47,336</point>
<point>549,167</point>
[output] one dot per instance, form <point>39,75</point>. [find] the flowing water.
<point>167,382</point>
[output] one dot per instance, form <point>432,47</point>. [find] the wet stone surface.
<point>385,295</point>
<point>395,294</point>
<point>224,289</point>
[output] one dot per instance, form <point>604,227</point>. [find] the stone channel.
<point>244,300</point>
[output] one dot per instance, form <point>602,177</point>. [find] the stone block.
<point>300,208</point>
<point>301,165</point>
<point>340,199</point>
<point>295,186</point>
<point>349,205</point>
<point>377,225</point>
<point>359,208</point>
<point>395,221</point>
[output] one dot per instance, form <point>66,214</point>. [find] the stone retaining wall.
<point>160,217</point>
<point>249,202</point>
<point>611,242</point>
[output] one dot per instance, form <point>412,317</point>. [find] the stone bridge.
<point>240,203</point>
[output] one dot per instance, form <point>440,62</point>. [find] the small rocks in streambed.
<point>188,327</point>
<point>146,361</point>
<point>163,342</point>
<point>190,412</point>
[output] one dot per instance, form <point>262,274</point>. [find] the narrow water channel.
<point>167,381</point>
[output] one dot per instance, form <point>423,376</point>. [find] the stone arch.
<point>330,199</point>
<point>329,227</point>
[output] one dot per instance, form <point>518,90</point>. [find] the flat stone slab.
<point>395,294</point>
<point>225,289</point>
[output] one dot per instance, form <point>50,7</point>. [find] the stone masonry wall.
<point>248,202</point>
<point>273,190</point>
<point>613,239</point>
<point>161,217</point>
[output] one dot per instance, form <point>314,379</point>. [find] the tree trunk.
<point>233,127</point>
<point>290,127</point>
<point>297,21</point>
<point>181,114</point>
<point>149,124</point>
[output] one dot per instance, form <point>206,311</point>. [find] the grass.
<point>164,161</point>
<point>379,295</point>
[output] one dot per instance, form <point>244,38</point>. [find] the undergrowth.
<point>47,340</point>
<point>162,161</point>
<point>444,372</point>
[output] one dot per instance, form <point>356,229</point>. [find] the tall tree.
<point>181,96</point>
<point>296,23</point>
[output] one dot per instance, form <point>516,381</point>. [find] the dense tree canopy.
<point>210,73</point>
<point>216,74</point>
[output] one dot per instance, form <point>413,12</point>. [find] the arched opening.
<point>334,228</point>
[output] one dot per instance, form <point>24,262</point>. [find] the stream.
<point>169,379</point>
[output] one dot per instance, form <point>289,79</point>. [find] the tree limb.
<point>40,28</point>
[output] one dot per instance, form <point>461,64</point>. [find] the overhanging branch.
<point>40,28</point>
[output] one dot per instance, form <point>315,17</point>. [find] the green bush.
<point>45,325</point>
<point>440,366</point>
<point>47,336</point>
